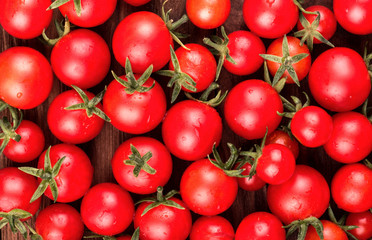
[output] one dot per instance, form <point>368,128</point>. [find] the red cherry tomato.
<point>26,77</point>
<point>107,209</point>
<point>212,227</point>
<point>59,221</point>
<point>136,3</point>
<point>250,184</point>
<point>364,222</point>
<point>283,138</point>
<point>331,232</point>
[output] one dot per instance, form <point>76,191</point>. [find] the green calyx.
<point>310,32</point>
<point>220,48</point>
<point>367,59</point>
<point>303,225</point>
<point>178,79</point>
<point>213,102</point>
<point>367,163</point>
<point>133,85</point>
<point>135,236</point>
<point>58,3</point>
<point>341,223</point>
<point>139,162</point>
<point>160,200</point>
<point>286,62</point>
<point>89,105</point>
<point>47,175</point>
<point>62,31</point>
<point>366,110</point>
<point>293,107</point>
<point>13,218</point>
<point>279,85</point>
<point>8,129</point>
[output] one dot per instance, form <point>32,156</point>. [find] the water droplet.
<point>19,95</point>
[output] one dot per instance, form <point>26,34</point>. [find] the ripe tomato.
<point>364,222</point>
<point>251,107</point>
<point>26,77</point>
<point>352,188</point>
<point>93,12</point>
<point>266,19</point>
<point>190,128</point>
<point>339,79</point>
<point>144,38</point>
<point>351,140</point>
<point>107,209</point>
<point>208,14</point>
<point>212,227</point>
<point>283,138</point>
<point>305,194</point>
<point>206,189</point>
<point>144,182</point>
<point>331,232</point>
<point>25,19</point>
<point>250,184</point>
<point>312,126</point>
<point>137,3</point>
<point>353,15</point>
<point>81,58</point>
<point>29,147</point>
<point>244,48</point>
<point>260,226</point>
<point>59,221</point>
<point>75,175</point>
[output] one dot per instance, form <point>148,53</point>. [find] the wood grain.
<point>101,149</point>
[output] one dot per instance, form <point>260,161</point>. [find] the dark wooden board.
<point>101,149</point>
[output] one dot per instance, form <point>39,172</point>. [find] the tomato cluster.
<point>252,132</point>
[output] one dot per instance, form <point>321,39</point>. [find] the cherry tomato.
<point>93,12</point>
<point>144,183</point>
<point>144,38</point>
<point>75,175</point>
<point>250,184</point>
<point>250,107</point>
<point>339,79</point>
<point>305,194</point>
<point>81,58</point>
<point>283,138</point>
<point>260,226</point>
<point>107,209</point>
<point>354,16</point>
<point>331,232</point>
<point>364,222</point>
<point>351,140</point>
<point>29,147</point>
<point>26,77</point>
<point>25,19</point>
<point>208,14</point>
<point>212,227</point>
<point>266,18</point>
<point>352,188</point>
<point>190,129</point>
<point>206,189</point>
<point>137,3</point>
<point>59,221</point>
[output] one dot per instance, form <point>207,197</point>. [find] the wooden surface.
<point>101,149</point>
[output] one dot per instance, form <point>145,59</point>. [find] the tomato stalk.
<point>139,162</point>
<point>367,59</point>
<point>61,33</point>
<point>303,225</point>
<point>58,3</point>
<point>13,218</point>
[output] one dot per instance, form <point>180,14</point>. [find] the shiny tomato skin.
<point>305,194</point>
<point>135,113</point>
<point>126,237</point>
<point>250,184</point>
<point>26,77</point>
<point>190,129</point>
<point>351,140</point>
<point>212,227</point>
<point>16,190</point>
<point>163,222</point>
<point>93,12</point>
<point>73,126</point>
<point>59,221</point>
<point>144,38</point>
<point>29,147</point>
<point>331,232</point>
<point>312,126</point>
<point>244,48</point>
<point>339,80</point>
<point>351,188</point>
<point>199,63</point>
<point>75,175</point>
<point>145,183</point>
<point>266,19</point>
<point>302,67</point>
<point>81,58</point>
<point>206,189</point>
<point>107,209</point>
<point>25,19</point>
<point>364,222</point>
<point>208,14</point>
<point>260,226</point>
<point>354,16</point>
<point>283,138</point>
<point>137,3</point>
<point>250,107</point>
<point>327,23</point>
